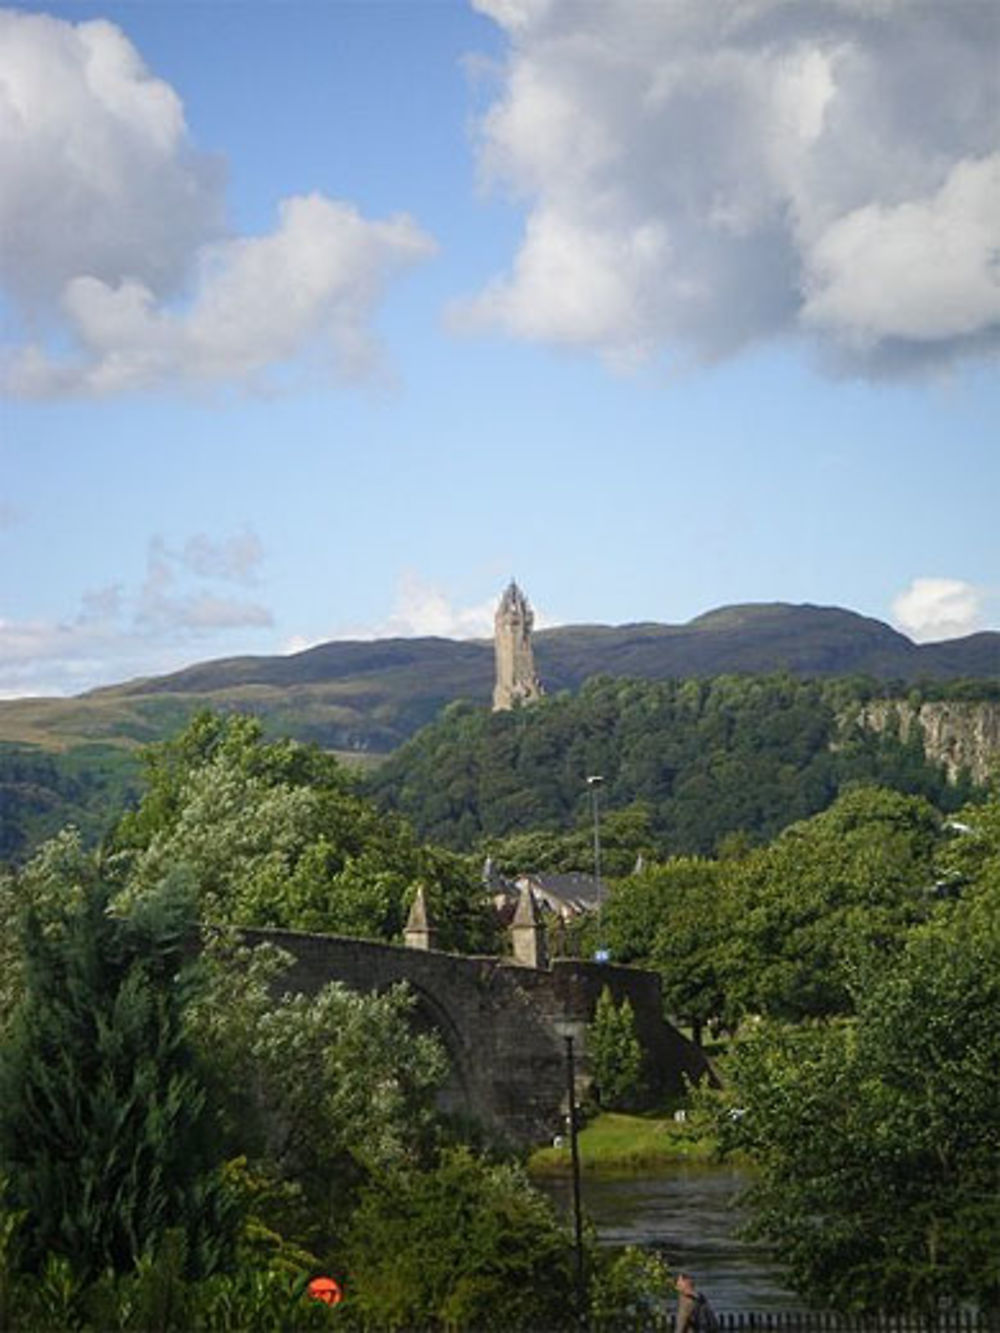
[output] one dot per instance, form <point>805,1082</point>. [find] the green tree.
<point>42,792</point>
<point>878,1138</point>
<point>614,1051</point>
<point>676,918</point>
<point>321,1090</point>
<point>626,836</point>
<point>969,862</point>
<point>107,1138</point>
<point>828,892</point>
<point>744,755</point>
<point>466,1245</point>
<point>275,834</point>
<point>56,878</point>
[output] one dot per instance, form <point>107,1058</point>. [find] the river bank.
<point>614,1142</point>
<point>656,1182</point>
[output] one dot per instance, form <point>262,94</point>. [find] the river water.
<point>688,1214</point>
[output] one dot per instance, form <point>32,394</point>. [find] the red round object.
<point>325,1289</point>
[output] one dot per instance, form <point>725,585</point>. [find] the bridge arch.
<point>502,1024</point>
<point>429,1014</point>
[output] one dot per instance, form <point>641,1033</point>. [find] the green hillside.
<point>686,765</point>
<point>369,697</point>
<point>76,758</point>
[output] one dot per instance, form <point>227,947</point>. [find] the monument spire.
<point>516,679</point>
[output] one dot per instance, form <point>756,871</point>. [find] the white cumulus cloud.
<point>100,178</point>
<point>939,608</point>
<point>113,247</point>
<point>700,175</point>
<point>935,260</point>
<point>421,608</point>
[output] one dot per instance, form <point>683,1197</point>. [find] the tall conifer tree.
<point>106,1137</point>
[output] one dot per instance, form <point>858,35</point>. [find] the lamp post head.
<point>595,780</point>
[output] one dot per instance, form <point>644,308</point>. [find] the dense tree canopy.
<point>276,834</point>
<point>878,1135</point>
<point>469,1245</point>
<point>321,1090</point>
<point>42,791</point>
<point>854,959</point>
<point>107,1135</point>
<point>700,759</point>
<point>129,1072</point>
<point>676,918</point>
<point>781,930</point>
<point>828,893</point>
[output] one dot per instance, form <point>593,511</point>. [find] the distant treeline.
<point>692,761</point>
<point>42,791</point>
<point>697,761</point>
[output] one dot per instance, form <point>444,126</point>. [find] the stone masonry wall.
<point>504,1026</point>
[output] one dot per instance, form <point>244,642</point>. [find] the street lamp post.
<point>594,782</point>
<point>581,1286</point>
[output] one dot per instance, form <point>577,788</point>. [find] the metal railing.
<point>809,1321</point>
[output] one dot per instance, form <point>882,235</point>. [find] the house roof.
<point>579,891</point>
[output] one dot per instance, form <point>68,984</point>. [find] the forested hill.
<point>372,696</point>
<point>687,765</point>
<point>75,759</point>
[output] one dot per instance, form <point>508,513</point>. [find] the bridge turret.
<point>419,933</point>
<point>527,931</point>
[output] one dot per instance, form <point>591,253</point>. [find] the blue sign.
<point>602,955</point>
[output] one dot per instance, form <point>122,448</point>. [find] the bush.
<point>469,1245</point>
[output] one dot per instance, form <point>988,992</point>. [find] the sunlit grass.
<point>618,1142</point>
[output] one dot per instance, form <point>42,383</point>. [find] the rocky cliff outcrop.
<point>956,733</point>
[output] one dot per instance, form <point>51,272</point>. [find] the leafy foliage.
<point>628,1286</point>
<point>872,925</point>
<point>106,1135</point>
<point>826,896</point>
<point>694,760</point>
<point>674,918</point>
<point>614,1050</point>
<point>275,834</point>
<point>466,1245</point>
<point>782,930</point>
<point>156,1296</point>
<point>322,1089</point>
<point>878,1137</point>
<point>54,881</point>
<point>41,792</point>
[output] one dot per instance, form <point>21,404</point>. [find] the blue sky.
<point>321,320</point>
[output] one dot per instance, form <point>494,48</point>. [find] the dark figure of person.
<point>694,1313</point>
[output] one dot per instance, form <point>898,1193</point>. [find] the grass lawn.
<point>617,1142</point>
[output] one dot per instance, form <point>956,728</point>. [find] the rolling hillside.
<point>76,760</point>
<point>367,698</point>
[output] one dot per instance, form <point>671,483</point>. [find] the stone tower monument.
<point>516,681</point>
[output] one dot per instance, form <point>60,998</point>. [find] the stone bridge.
<point>502,1023</point>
